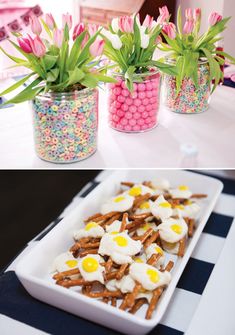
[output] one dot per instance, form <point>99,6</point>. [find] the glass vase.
<point>190,100</point>
<point>136,111</point>
<point>65,125</point>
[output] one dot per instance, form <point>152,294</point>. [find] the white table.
<point>213,133</point>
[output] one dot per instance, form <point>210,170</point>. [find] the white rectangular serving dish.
<point>33,270</point>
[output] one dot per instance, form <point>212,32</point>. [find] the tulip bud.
<point>164,15</point>
<point>188,27</point>
<point>114,39</point>
<point>126,24</point>
<point>93,28</point>
<point>115,24</point>
<point>67,19</point>
<point>197,14</point>
<point>79,28</point>
<point>170,30</point>
<point>58,38</point>
<point>144,38</point>
<point>35,25</point>
<point>50,21</point>
<point>38,47</point>
<point>214,18</point>
<point>148,22</point>
<point>25,45</point>
<point>189,14</point>
<point>97,48</point>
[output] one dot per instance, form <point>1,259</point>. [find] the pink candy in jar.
<point>135,111</point>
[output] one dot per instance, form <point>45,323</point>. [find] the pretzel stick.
<point>105,216</point>
<point>123,305</point>
<point>72,282</point>
<point>148,184</point>
<point>111,275</point>
<point>153,302</point>
<point>121,271</point>
<point>198,196</point>
<point>138,304</point>
<point>77,245</point>
<point>91,245</point>
<point>94,216</point>
<point>111,220</point>
<point>108,265</point>
<point>106,293</point>
<point>146,235</point>
<point>130,298</point>
<point>127,183</point>
<point>181,249</point>
<point>114,302</point>
<point>105,299</point>
<point>88,251</point>
<point>169,266</point>
<point>139,216</point>
<point>138,201</point>
<point>67,273</point>
<point>151,239</point>
<point>191,227</point>
<point>124,222</point>
<point>154,259</point>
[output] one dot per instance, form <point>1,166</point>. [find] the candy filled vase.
<point>65,125</point>
<point>190,99</point>
<point>135,111</point>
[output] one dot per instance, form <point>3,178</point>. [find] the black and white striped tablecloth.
<point>22,314</point>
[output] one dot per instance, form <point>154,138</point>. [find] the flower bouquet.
<point>134,99</point>
<point>198,61</point>
<point>64,75</point>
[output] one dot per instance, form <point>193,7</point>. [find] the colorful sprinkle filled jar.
<point>65,125</point>
<point>135,111</point>
<point>190,100</point>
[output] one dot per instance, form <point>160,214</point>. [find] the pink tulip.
<point>38,47</point>
<point>188,27</point>
<point>126,24</point>
<point>214,18</point>
<point>164,15</point>
<point>97,48</point>
<point>170,30</point>
<point>92,28</point>
<point>148,21</point>
<point>189,14</point>
<point>50,21</point>
<point>158,40</point>
<point>25,45</point>
<point>67,19</point>
<point>58,37</point>
<point>197,14</point>
<point>35,25</point>
<point>78,30</point>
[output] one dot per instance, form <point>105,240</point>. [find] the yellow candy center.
<point>146,227</point>
<point>72,263</point>
<point>138,260</point>
<point>144,205</point>
<point>165,205</point>
<point>121,241</point>
<point>135,191</point>
<point>153,275</point>
<point>179,207</point>
<point>91,225</point>
<point>176,228</point>
<point>119,199</point>
<point>188,202</point>
<point>90,264</point>
<point>114,232</point>
<point>183,188</point>
<point>159,250</point>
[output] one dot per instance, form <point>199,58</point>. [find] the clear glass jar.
<point>65,125</point>
<point>190,100</point>
<point>136,111</point>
